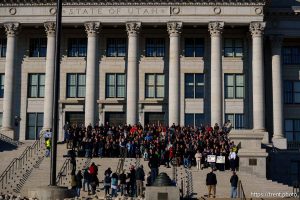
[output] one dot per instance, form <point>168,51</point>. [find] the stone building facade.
<point>186,62</point>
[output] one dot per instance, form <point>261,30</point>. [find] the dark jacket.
<point>140,174</point>
<point>79,180</point>
<point>234,180</point>
<point>122,178</point>
<point>154,161</point>
<point>211,179</point>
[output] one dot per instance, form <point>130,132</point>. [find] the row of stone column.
<point>174,29</point>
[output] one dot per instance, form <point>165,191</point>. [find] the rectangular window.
<point>292,92</point>
<point>34,125</point>
<point>234,86</point>
<point>155,47</point>
<point>38,47</point>
<point>77,47</point>
<point>291,55</point>
<point>155,86</point>
<point>116,47</point>
<point>36,85</point>
<point>1,117</point>
<point>237,120</point>
<point>292,129</point>
<point>2,85</point>
<point>233,47</point>
<point>194,119</point>
<point>75,85</point>
<point>194,47</point>
<point>115,85</point>
<point>194,86</point>
<point>3,45</point>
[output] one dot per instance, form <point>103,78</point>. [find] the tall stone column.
<point>258,86</point>
<point>216,29</point>
<point>278,137</point>
<point>8,100</point>
<point>49,77</point>
<point>133,29</point>
<point>174,30</point>
<point>92,62</point>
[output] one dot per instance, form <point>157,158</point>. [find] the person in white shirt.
<point>232,160</point>
<point>198,157</point>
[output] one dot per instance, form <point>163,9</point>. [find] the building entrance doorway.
<point>75,118</point>
<point>155,118</point>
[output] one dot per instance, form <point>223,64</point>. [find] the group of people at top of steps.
<point>180,145</point>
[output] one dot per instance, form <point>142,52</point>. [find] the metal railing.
<point>62,174</point>
<point>9,140</point>
<point>295,145</point>
<point>240,191</point>
<point>19,163</point>
<point>121,163</point>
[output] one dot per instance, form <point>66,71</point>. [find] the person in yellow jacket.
<point>48,147</point>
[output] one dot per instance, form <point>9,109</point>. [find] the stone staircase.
<point>8,152</point>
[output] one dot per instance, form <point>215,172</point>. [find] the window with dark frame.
<point>2,78</point>
<point>77,47</point>
<point>291,55</point>
<point>34,125</point>
<point>38,47</point>
<point>3,46</point>
<point>234,86</point>
<point>292,92</point>
<point>292,129</point>
<point>115,85</point>
<point>75,85</point>
<point>155,47</point>
<point>194,86</point>
<point>233,47</point>
<point>116,47</point>
<point>194,47</point>
<point>194,119</point>
<point>154,85</point>
<point>36,85</point>
<point>237,120</point>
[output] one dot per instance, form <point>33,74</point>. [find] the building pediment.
<point>133,2</point>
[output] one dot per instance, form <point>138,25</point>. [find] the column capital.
<point>92,28</point>
<point>174,28</point>
<point>12,28</point>
<point>133,28</point>
<point>215,28</point>
<point>257,28</point>
<point>50,28</point>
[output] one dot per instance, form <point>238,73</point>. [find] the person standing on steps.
<point>140,177</point>
<point>153,165</point>
<point>48,146</point>
<point>234,182</point>
<point>198,157</point>
<point>211,182</point>
<point>79,178</point>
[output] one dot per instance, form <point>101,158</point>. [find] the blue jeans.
<point>114,192</point>
<point>78,191</point>
<point>100,152</point>
<point>154,173</point>
<point>233,192</point>
<point>186,162</point>
<point>85,183</point>
<point>47,154</point>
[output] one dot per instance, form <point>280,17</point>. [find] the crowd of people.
<point>160,145</point>
<point>188,146</point>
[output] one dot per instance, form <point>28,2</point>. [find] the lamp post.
<point>56,93</point>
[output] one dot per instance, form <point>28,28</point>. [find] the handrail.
<point>241,192</point>
<point>121,163</point>
<point>63,171</point>
<point>10,140</point>
<point>18,163</point>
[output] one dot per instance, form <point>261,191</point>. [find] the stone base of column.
<point>50,192</point>
<point>8,132</point>
<point>252,158</point>
<point>280,143</point>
